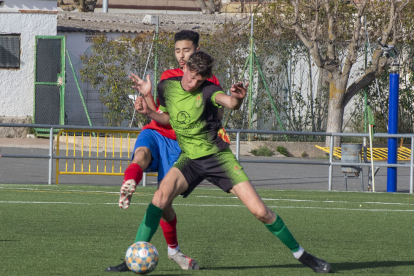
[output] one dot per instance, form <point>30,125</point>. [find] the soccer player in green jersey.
<point>190,104</point>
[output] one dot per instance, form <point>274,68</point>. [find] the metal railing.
<point>330,163</point>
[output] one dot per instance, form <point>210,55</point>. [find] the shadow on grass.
<point>336,267</point>
<point>373,264</point>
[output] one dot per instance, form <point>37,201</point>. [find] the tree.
<point>333,32</point>
<point>211,6</point>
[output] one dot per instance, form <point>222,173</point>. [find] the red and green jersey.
<point>167,131</point>
<point>193,116</point>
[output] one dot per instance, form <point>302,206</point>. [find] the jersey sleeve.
<point>161,97</point>
<point>213,98</point>
<point>210,91</point>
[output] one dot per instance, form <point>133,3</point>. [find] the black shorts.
<point>222,169</point>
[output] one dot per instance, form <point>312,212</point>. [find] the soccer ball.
<point>141,257</point>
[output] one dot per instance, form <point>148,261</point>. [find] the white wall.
<point>16,5</point>
<point>27,18</point>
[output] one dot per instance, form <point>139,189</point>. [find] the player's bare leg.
<point>133,174</point>
<point>249,196</point>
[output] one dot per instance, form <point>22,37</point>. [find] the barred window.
<point>10,51</point>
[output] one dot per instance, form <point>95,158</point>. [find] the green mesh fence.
<point>289,92</point>
<point>49,81</point>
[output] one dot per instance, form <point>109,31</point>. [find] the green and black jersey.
<point>193,116</point>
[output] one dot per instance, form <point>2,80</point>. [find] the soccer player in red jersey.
<point>156,149</point>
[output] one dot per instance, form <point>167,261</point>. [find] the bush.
<point>282,150</point>
<point>262,151</point>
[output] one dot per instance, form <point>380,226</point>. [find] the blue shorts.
<point>164,151</point>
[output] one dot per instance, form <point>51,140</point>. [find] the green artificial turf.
<point>80,230</point>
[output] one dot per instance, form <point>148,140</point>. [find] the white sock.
<point>298,253</point>
<point>172,251</point>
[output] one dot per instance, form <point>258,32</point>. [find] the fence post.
<point>238,146</point>
<point>393,129</point>
<point>144,179</point>
<point>330,162</point>
<point>51,156</point>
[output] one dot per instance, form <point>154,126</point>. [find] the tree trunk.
<point>335,110</point>
<point>204,8</point>
<point>82,6</point>
<point>211,5</point>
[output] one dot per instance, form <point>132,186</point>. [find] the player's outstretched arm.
<point>141,106</point>
<point>233,101</point>
<point>144,87</point>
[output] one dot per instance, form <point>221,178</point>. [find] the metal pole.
<point>51,156</point>
<point>366,88</point>
<point>330,163</point>
<point>244,68</point>
<point>156,59</point>
<point>63,86</point>
<point>411,165</point>
<point>143,77</point>
<point>144,179</point>
<point>251,75</point>
<point>105,6</point>
<point>238,146</point>
<point>392,129</point>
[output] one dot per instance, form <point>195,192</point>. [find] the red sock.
<point>133,171</point>
<point>170,232</point>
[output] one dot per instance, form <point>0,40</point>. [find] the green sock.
<point>149,224</point>
<point>279,229</point>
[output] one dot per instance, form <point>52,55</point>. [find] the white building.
<point>20,22</point>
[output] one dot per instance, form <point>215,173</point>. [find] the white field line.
<point>224,197</point>
<point>208,205</point>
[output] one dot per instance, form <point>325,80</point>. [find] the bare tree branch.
<point>316,22</point>
<point>353,46</point>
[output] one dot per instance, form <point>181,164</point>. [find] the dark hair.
<point>187,35</point>
<point>202,63</point>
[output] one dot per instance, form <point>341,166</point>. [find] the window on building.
<point>9,51</point>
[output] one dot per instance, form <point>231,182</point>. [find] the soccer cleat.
<point>127,189</point>
<point>317,265</point>
<point>184,261</point>
<point>119,268</point>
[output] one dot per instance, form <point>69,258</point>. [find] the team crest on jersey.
<point>223,135</point>
<point>198,100</point>
<point>183,117</point>
<point>237,169</point>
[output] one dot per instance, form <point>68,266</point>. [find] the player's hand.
<point>238,90</point>
<point>141,105</point>
<point>143,87</point>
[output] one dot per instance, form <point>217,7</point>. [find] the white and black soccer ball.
<point>141,257</point>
